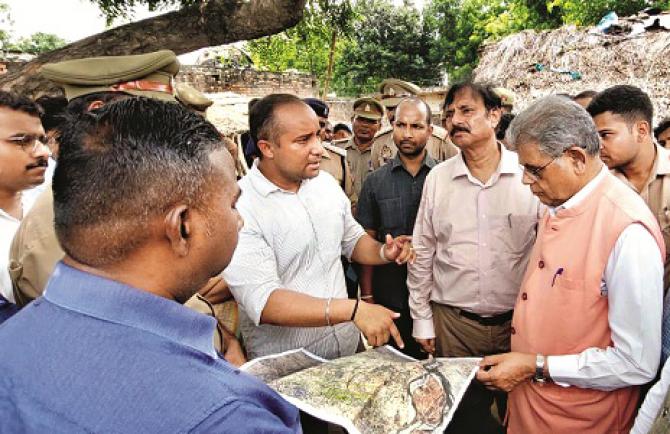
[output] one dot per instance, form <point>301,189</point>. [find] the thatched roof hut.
<point>570,60</point>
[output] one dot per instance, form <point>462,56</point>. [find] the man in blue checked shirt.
<point>144,199</point>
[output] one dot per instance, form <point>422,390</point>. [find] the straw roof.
<point>529,63</point>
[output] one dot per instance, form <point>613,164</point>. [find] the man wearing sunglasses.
<point>23,163</point>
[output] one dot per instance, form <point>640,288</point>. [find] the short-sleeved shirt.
<point>292,240</point>
<point>360,163</point>
<point>334,161</point>
<point>388,205</point>
<point>95,355</point>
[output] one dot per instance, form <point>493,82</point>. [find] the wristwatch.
<point>539,370</point>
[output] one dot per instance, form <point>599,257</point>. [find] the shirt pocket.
<point>518,232</point>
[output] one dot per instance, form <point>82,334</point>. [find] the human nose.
<point>40,149</point>
<point>526,177</point>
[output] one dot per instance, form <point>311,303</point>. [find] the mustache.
<point>42,162</point>
<point>456,128</point>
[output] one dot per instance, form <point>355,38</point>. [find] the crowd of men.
<point>159,255</point>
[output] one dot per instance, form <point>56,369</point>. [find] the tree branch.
<point>211,23</point>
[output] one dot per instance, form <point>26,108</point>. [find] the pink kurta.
<point>560,310</point>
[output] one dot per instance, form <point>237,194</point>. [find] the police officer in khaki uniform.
<point>89,84</point>
<point>623,116</point>
<point>196,101</point>
<point>384,149</point>
<point>366,121</point>
<point>334,158</point>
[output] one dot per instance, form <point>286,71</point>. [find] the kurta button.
<point>540,264</point>
<point>513,330</point>
<point>524,296</point>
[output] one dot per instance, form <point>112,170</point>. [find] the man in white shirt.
<point>23,163</point>
<point>286,274</point>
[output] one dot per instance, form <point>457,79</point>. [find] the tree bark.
<point>329,71</point>
<point>211,23</point>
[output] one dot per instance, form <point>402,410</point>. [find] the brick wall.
<point>249,82</point>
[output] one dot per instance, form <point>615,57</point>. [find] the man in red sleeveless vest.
<point>587,323</point>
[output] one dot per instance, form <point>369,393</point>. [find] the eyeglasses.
<point>29,143</point>
<point>535,173</point>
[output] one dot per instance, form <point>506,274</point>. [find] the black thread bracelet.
<point>353,314</point>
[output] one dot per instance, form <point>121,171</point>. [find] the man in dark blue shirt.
<point>389,203</point>
<point>144,200</point>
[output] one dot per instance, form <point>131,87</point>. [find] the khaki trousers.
<point>457,336</point>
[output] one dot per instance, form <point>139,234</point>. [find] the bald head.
<point>416,104</point>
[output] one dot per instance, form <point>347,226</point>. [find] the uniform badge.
<point>386,153</point>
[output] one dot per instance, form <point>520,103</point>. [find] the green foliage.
<point>306,47</point>
<point>5,25</point>
<point>589,13</point>
<point>39,43</point>
<point>387,42</point>
<point>461,26</point>
<point>123,8</point>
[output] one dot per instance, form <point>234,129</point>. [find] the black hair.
<point>80,104</point>
<point>416,100</point>
<point>121,166</point>
<point>585,94</point>
<point>501,129</point>
<point>262,125</point>
<point>484,90</point>
<point>53,111</point>
<point>19,103</point>
<point>629,102</point>
<point>341,127</point>
<point>664,125</point>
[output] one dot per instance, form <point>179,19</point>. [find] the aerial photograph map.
<point>377,391</point>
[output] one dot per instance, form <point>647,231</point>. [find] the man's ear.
<point>94,105</point>
<point>266,149</point>
<point>178,229</point>
<point>643,129</point>
<point>578,156</point>
<point>494,115</point>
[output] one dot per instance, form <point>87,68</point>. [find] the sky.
<point>76,19</point>
<point>70,19</point>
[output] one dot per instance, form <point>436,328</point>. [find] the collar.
<point>263,185</point>
<point>582,194</point>
<point>325,154</point>
<point>662,163</point>
<point>508,165</point>
<point>396,162</point>
<point>115,302</point>
<point>24,211</point>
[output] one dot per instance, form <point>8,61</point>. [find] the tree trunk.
<point>211,23</point>
<point>329,71</point>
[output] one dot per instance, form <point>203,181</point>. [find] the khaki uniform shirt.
<point>360,164</point>
<point>656,193</point>
<point>35,252</point>
<point>334,161</point>
<point>439,146</point>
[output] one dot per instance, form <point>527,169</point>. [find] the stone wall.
<point>249,82</point>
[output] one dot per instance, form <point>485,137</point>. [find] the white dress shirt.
<point>652,403</point>
<point>8,227</point>
<point>292,241</point>
<point>633,281</point>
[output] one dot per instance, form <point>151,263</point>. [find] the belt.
<point>487,320</point>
